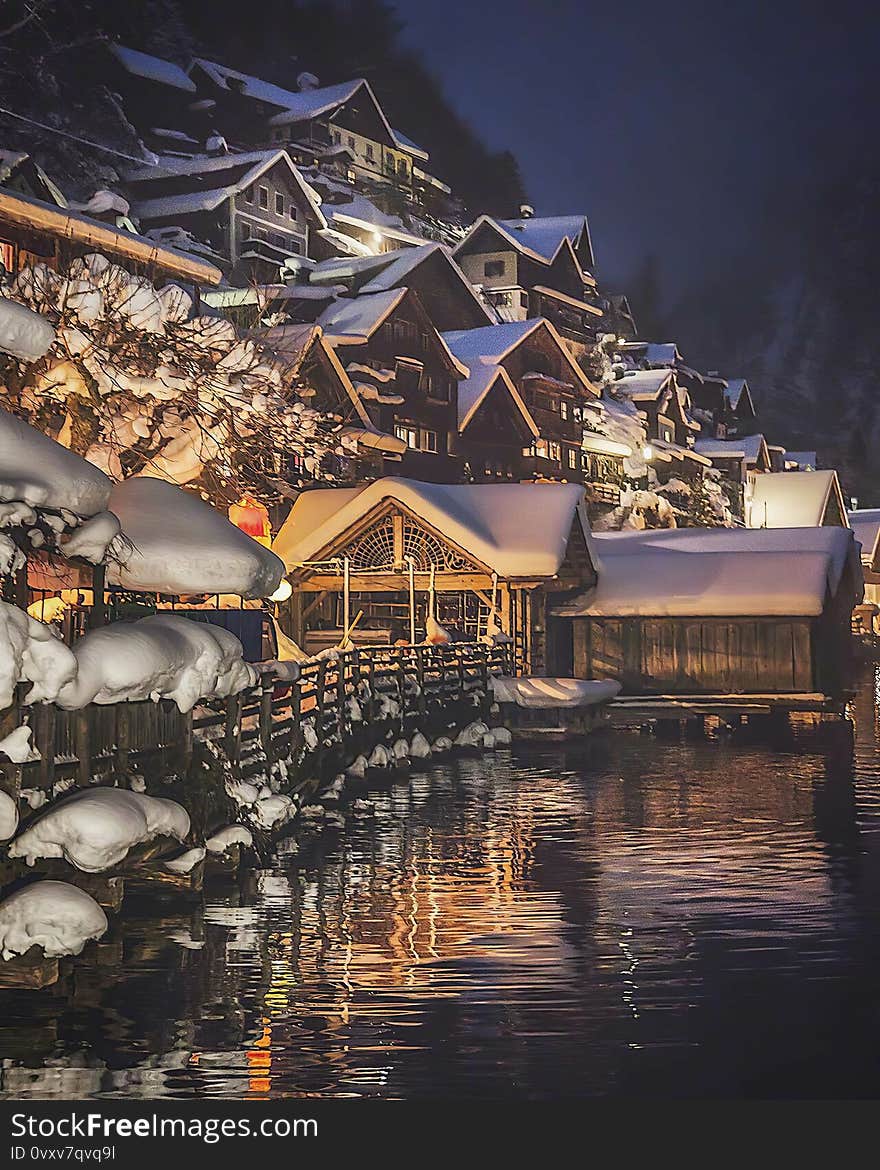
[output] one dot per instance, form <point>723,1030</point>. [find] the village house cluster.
<point>443,351</point>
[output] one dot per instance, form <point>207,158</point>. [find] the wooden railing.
<point>260,726</point>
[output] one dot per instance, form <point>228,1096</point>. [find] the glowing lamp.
<point>283,591</point>
<point>252,517</point>
<point>647,453</point>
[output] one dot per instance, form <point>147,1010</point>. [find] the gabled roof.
<point>354,320</point>
<point>351,320</point>
<point>516,530</point>
<point>151,68</point>
<point>748,447</point>
<point>293,105</point>
<point>491,344</point>
<point>643,385</point>
<point>540,238</point>
<point>865,523</point>
<point>474,390</point>
<point>255,162</point>
<point>390,270</point>
<point>796,499</point>
<point>655,353</point>
<point>715,572</point>
<point>737,393</point>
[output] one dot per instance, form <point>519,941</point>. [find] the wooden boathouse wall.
<point>663,655</point>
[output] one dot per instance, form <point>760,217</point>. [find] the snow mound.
<point>542,693</point>
<point>180,545</point>
<point>40,472</point>
<point>91,539</point>
<point>17,745</point>
<point>8,816</point>
<point>56,916</point>
<point>24,333</point>
<point>30,652</point>
<point>226,837</point>
<point>187,861</point>
<point>158,657</point>
<point>419,749</point>
<point>94,829</point>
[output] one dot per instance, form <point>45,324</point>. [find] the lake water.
<point>627,917</point>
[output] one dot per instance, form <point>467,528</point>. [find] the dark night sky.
<point>693,130</point>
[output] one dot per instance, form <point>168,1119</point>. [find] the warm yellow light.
<point>647,453</point>
<point>377,238</point>
<point>283,591</point>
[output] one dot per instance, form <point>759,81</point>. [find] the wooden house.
<point>536,267</point>
<point>670,427</point>
<point>498,555</point>
<point>33,231</point>
<point>865,523</point>
<point>254,210</point>
<point>405,375</point>
<point>553,400</point>
<point>714,612</point>
<point>795,499</point>
<point>429,269</point>
<point>158,97</point>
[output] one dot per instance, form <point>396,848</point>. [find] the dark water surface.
<point>630,917</point>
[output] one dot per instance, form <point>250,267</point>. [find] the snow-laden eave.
<point>499,374</point>
<point>35,215</point>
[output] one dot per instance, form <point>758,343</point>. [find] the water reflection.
<point>633,917</point>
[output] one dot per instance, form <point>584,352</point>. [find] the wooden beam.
<point>397,582</point>
<point>313,605</point>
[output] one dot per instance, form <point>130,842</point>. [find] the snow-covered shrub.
<point>55,916</point>
<point>30,652</point>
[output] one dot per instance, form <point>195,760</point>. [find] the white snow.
<point>8,816</point>
<point>162,656</point>
<point>180,545</point>
<point>551,692</point>
<point>30,652</point>
<point>187,861</point>
<point>40,472</point>
<point>419,749</point>
<point>92,539</point>
<point>17,745</point>
<point>717,572</point>
<point>356,319</point>
<point>517,530</point>
<point>95,828</point>
<point>55,916</point>
<point>24,333</point>
<point>228,836</point>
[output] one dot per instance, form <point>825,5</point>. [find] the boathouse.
<point>714,611</point>
<point>485,558</point>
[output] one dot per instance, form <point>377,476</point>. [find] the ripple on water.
<point>631,916</point>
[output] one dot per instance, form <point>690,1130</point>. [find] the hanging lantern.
<point>252,517</point>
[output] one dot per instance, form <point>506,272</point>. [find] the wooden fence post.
<point>44,716</point>
<point>266,696</point>
<point>123,737</point>
<point>232,736</point>
<point>83,746</point>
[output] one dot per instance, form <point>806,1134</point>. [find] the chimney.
<point>526,211</point>
<point>307,81</point>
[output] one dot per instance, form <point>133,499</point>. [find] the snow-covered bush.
<point>159,657</point>
<point>30,652</point>
<point>55,916</point>
<point>143,384</point>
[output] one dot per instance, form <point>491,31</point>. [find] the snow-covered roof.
<point>363,213</point>
<point>351,320</point>
<point>643,385</point>
<point>491,344</point>
<point>516,530</point>
<point>865,523</point>
<point>716,572</point>
<point>255,162</point>
<point>40,216</point>
<point>181,545</point>
<point>390,270</point>
<point>474,389</point>
<point>655,353</point>
<point>152,68</point>
<point>36,470</point>
<point>734,391</point>
<point>720,448</point>
<point>795,499</point>
<point>545,235</point>
<point>407,144</point>
<point>803,460</point>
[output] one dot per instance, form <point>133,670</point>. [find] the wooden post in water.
<point>232,735</point>
<point>266,696</point>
